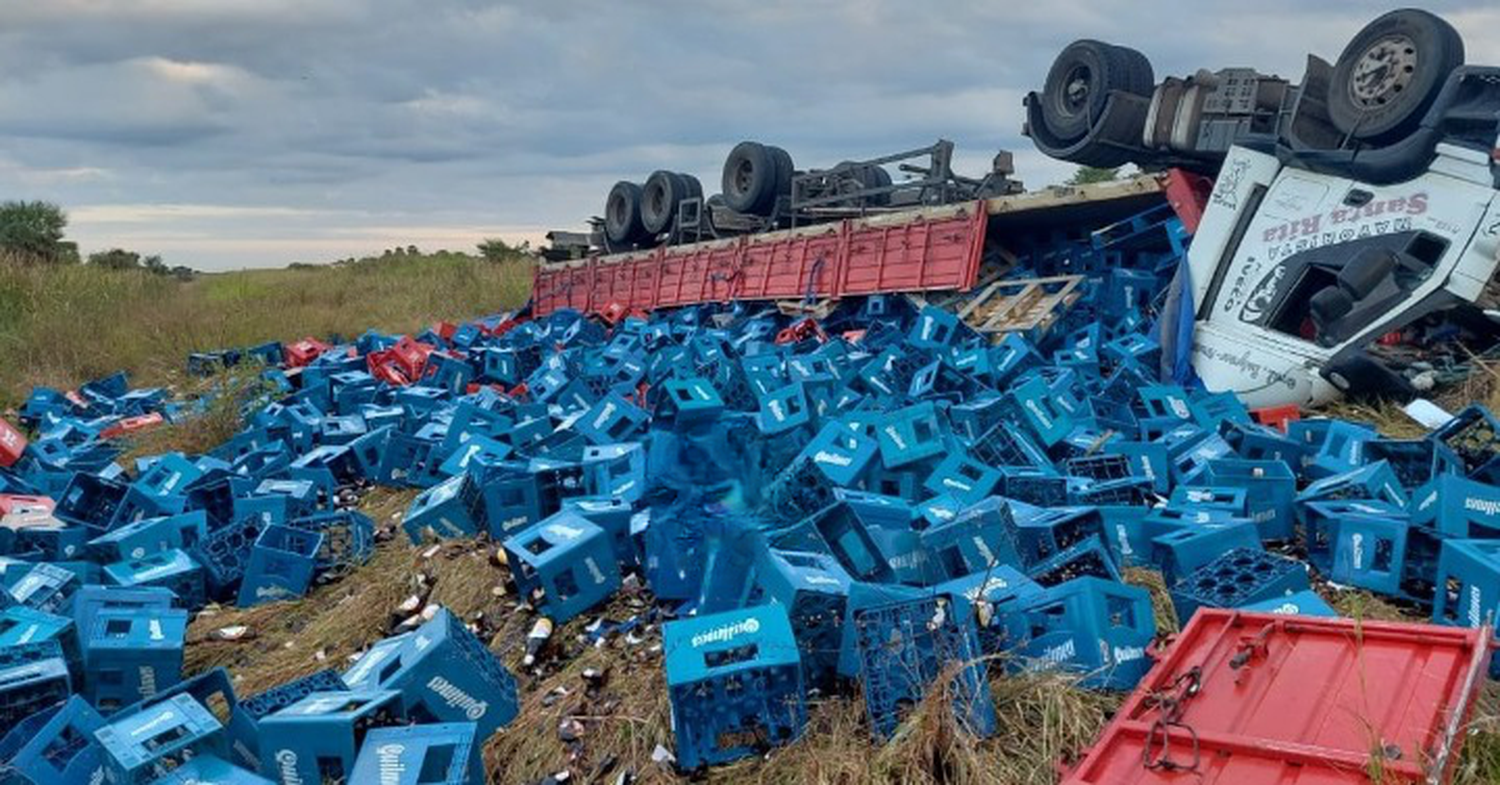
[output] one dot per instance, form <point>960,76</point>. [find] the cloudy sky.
<point>242,133</point>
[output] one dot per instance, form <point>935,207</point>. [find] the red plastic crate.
<point>15,502</point>
<point>1283,699</point>
<point>12,444</point>
<point>303,352</point>
<point>132,425</point>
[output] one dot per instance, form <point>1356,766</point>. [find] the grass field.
<point>61,326</point>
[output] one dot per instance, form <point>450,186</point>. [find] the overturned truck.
<point>1344,229</point>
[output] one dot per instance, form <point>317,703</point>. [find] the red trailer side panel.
<point>1285,699</point>
<point>939,252</point>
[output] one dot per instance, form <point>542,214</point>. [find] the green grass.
<point>63,325</point>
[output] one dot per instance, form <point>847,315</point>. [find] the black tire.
<point>1079,83</point>
<point>1390,73</point>
<point>750,179</point>
<point>659,199</point>
<point>622,214</point>
<point>785,170</point>
<point>1140,77</point>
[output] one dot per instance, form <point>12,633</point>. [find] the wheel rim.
<point>1076,89</point>
<point>742,176</point>
<point>1383,72</point>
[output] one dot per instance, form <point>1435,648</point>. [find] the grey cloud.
<point>383,116</point>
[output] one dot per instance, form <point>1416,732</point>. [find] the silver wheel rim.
<point>1383,72</point>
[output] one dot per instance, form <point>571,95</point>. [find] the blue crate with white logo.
<point>1320,522</point>
<point>282,564</point>
<point>225,553</point>
<point>245,715</point>
<point>1239,577</point>
<point>1468,583</point>
<point>444,674</point>
<point>46,587</point>
<point>564,565</point>
<point>131,653</point>
<point>1099,628</point>
<point>449,509</point>
<point>208,769</point>
<point>173,570</point>
<point>348,537</point>
<point>150,535</point>
<point>735,683</point>
<point>142,747</point>
<point>1458,507</point>
<point>981,536</point>
<point>1302,603</point>
<point>905,647</point>
<point>1270,490</point>
<point>1369,552</point>
<point>64,751</point>
<point>440,754</point>
<point>1042,533</point>
<point>980,595</point>
<point>317,738</point>
<point>814,590</point>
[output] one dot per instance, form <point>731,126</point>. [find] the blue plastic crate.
<point>1237,578</point>
<point>46,587</point>
<point>690,401</point>
<point>980,595</point>
<point>440,754</point>
<point>245,715</point>
<point>1043,533</point>
<point>564,565</point>
<point>1270,490</point>
<point>149,536</point>
<point>1181,552</point>
<point>131,654</point>
<point>1374,481</point>
<point>1088,558</point>
<point>208,769</point>
<point>317,738</point>
<point>907,646</point>
<point>1096,627</point>
<point>980,537</point>
<point>444,674</point>
<point>613,419</point>
<point>449,509</point>
<point>1370,552</point>
<point>814,590</point>
<point>173,570</point>
<point>1468,583</point>
<point>282,564</point>
<point>735,683</point>
<point>909,435</point>
<point>965,478</point>
<point>1458,507</point>
<point>615,470</point>
<point>140,748</point>
<point>1302,603</point>
<point>225,553</point>
<point>348,537</point>
<point>851,541</point>
<point>840,453</point>
<point>63,751</point>
<point>33,676</point>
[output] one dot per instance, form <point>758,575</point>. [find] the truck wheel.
<point>622,214</point>
<point>1390,73</point>
<point>1078,85</point>
<point>750,179</point>
<point>659,200</point>
<point>1140,77</point>
<point>784,172</point>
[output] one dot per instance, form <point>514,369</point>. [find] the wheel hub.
<point>1076,92</point>
<point>1384,70</point>
<point>742,175</point>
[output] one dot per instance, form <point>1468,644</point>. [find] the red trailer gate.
<point>1257,699</point>
<point>920,250</point>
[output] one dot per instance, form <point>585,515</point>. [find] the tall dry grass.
<point>62,325</point>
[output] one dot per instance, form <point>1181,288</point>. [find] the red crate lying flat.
<point>1295,699</point>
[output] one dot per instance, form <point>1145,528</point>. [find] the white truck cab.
<point>1295,274</point>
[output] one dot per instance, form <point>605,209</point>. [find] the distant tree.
<point>1093,174</point>
<point>494,249</point>
<point>154,264</point>
<point>116,259</point>
<point>34,230</point>
<point>412,250</point>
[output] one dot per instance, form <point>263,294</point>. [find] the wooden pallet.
<point>1024,304</point>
